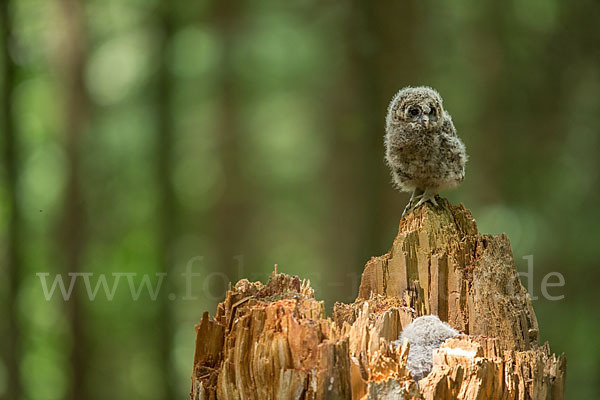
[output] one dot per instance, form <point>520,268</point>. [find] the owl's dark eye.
<point>432,108</point>
<point>414,111</point>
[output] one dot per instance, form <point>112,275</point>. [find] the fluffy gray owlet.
<point>424,335</point>
<point>421,146</point>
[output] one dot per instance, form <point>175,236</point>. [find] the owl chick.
<point>424,335</point>
<point>421,146</point>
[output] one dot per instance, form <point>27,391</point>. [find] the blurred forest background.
<point>141,135</point>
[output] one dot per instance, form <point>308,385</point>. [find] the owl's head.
<point>419,107</point>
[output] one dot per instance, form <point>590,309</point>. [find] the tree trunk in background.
<point>167,211</point>
<point>382,65</point>
<point>13,264</point>
<point>362,197</point>
<point>71,66</point>
<point>493,35</point>
<point>230,215</point>
<point>273,340</point>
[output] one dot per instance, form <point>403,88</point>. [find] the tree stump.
<point>274,341</point>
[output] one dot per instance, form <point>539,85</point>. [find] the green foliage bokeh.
<point>299,90</point>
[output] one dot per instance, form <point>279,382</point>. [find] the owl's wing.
<point>453,157</point>
<point>448,126</point>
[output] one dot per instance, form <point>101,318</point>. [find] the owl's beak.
<point>425,119</point>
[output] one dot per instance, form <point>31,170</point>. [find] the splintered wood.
<point>274,341</point>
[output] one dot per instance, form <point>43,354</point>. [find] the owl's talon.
<point>406,210</point>
<point>434,202</point>
<point>427,196</point>
<point>416,194</point>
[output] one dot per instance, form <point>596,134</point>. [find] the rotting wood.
<point>274,341</point>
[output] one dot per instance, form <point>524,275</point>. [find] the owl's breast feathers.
<point>434,159</point>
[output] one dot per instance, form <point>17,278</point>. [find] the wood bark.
<point>273,341</point>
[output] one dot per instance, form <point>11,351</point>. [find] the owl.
<point>421,146</point>
<point>424,334</point>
